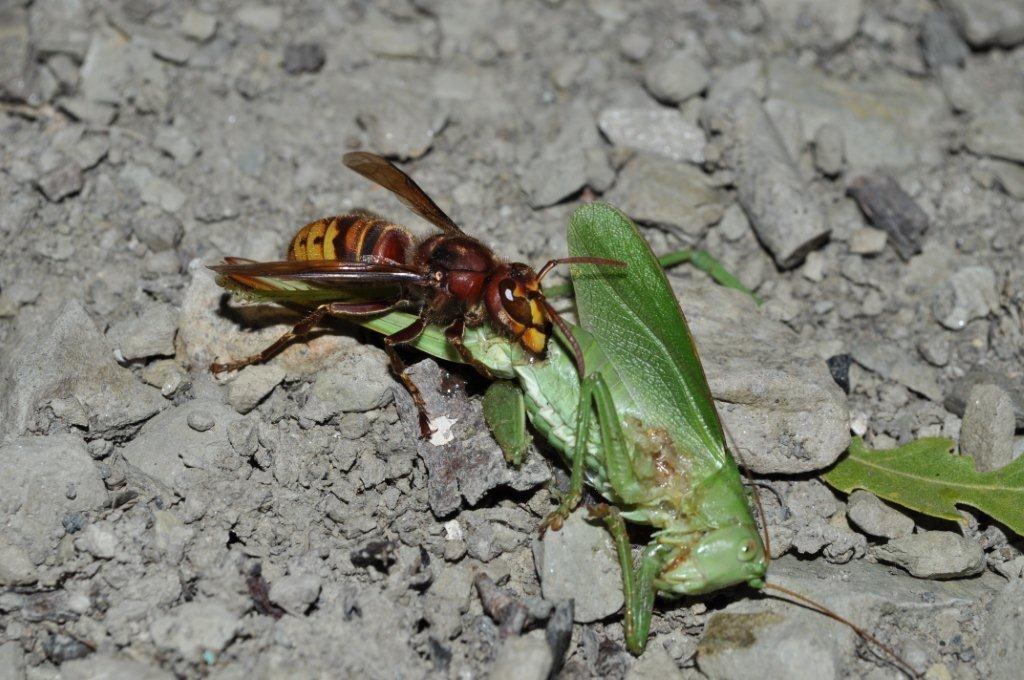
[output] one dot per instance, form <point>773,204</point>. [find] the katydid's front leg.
<point>637,581</point>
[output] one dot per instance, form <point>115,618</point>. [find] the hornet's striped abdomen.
<point>355,237</point>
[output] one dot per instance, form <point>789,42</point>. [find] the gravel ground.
<point>857,162</point>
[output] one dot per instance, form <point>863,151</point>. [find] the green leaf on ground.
<point>928,477</point>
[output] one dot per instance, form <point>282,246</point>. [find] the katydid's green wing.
<point>636,319</point>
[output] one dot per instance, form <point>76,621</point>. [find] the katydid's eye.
<point>748,550</point>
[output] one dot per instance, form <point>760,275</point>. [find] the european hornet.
<point>375,266</point>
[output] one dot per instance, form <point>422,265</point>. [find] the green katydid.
<point>640,427</point>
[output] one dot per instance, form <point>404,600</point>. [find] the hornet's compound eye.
<point>748,550</point>
<point>515,303</point>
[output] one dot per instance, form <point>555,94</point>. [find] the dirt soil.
<point>857,163</point>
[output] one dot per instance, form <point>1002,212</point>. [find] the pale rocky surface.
<point>287,521</point>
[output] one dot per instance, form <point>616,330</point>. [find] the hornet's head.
<point>516,304</point>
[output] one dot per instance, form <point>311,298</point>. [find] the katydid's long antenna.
<point>551,264</point>
<point>556,317</point>
<point>895,658</point>
<point>564,327</point>
<point>757,494</point>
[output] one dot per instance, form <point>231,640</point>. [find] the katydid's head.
<point>721,558</point>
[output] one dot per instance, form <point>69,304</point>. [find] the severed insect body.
<point>639,426</point>
<point>359,264</point>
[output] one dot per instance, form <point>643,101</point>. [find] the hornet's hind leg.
<point>409,334</point>
<point>308,323</point>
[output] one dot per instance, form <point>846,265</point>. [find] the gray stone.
<point>155,228</point>
<point>774,393</point>
<point>988,428</point>
<point>823,26</point>
<point>877,518</point>
<point>195,627</point>
<point>167,445</point>
<point>360,381</point>
<point>16,567</point>
<point>987,23</point>
<point>18,71</point>
<point>828,150</point>
<point>153,189</point>
<point>658,191</point>
<point>1010,177</point>
<point>12,661</point>
<point>887,121</point>
<point>677,78</point>
<point>734,224</point>
<point>60,27</point>
<point>750,75</point>
<point>295,593</point>
<point>88,111</point>
<point>656,662</point>
<point>98,540</point>
<point>526,657</point>
<point>968,294</point>
<point>61,182</point>
<point>935,349</point>
<point>1004,646</point>
<point>594,584</point>
<point>104,667</point>
<point>90,150</point>
<point>252,385</point>
<point>402,127</point>
<point>70,359</point>
<point>197,25</point>
<point>781,208</point>
<point>106,70</point>
<point>467,462</point>
<point>303,58</point>
<point>569,157</point>
<point>793,644</point>
<point>887,206</point>
<point>998,133</point>
<point>36,474</point>
<point>260,17</point>
<point>635,46</point>
<point>867,241</point>
<point>657,131</point>
<point>934,554</point>
<point>149,335</point>
<point>892,363</point>
<point>165,375</point>
<point>941,42</point>
<point>1011,380</point>
<point>175,144</point>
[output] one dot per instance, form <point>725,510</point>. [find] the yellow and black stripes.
<point>351,238</point>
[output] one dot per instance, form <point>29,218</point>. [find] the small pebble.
<point>867,241</point>
<point>875,517</point>
<point>677,78</point>
<point>252,385</point>
<point>198,26</point>
<point>303,58</point>
<point>200,422</point>
<point>988,428</point>
<point>934,554</point>
<point>829,150</point>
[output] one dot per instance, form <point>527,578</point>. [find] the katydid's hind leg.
<point>301,328</point>
<point>453,334</point>
<point>408,334</point>
<point>703,261</point>
<point>637,582</point>
<point>505,414</point>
